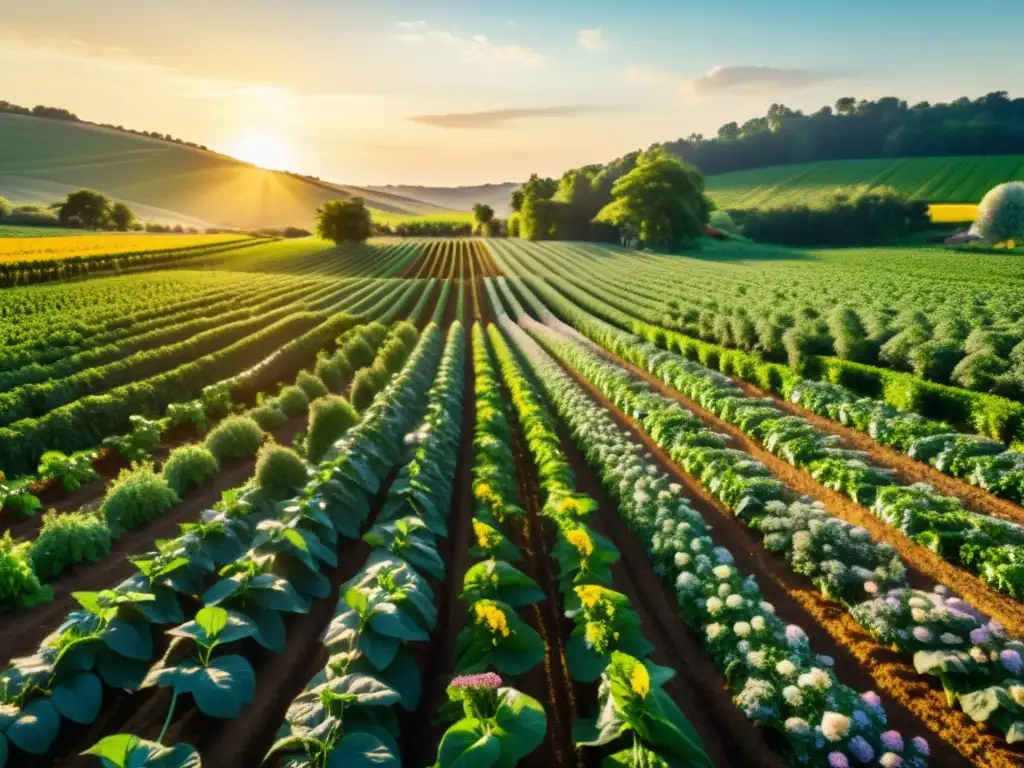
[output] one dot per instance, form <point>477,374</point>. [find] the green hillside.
<point>42,160</point>
<point>933,179</point>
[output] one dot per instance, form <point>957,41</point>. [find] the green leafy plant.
<point>125,750</point>
<point>71,471</point>
<point>583,556</point>
<point>365,386</point>
<point>221,685</point>
<point>329,419</point>
<point>499,725</point>
<point>236,437</point>
<point>68,539</point>
<point>189,466</point>
<point>497,580</point>
<point>19,584</point>
<point>293,401</point>
<point>604,623</point>
<point>496,637</point>
<point>633,707</point>
<point>19,501</point>
<point>280,471</point>
<point>137,496</point>
<point>411,540</point>
<point>269,416</point>
<point>192,412</point>
<point>140,441</point>
<point>311,385</point>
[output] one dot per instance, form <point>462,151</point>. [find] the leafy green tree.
<point>483,215</point>
<point>344,221</point>
<point>122,218</point>
<point>662,201</point>
<point>5,208</point>
<point>84,208</point>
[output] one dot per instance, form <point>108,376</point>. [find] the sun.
<point>266,150</point>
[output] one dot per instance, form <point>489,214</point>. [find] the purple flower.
<point>1011,660</point>
<point>838,760</point>
<point>923,634</point>
<point>892,741</point>
<point>861,749</point>
<point>980,636</point>
<point>485,680</point>
<point>921,746</point>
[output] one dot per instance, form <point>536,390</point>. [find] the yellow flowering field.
<point>46,248</point>
<point>953,213</point>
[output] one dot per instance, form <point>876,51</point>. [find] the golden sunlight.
<point>266,150</point>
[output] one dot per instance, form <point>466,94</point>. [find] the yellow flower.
<point>589,595</point>
<point>573,506</point>
<point>485,535</point>
<point>581,541</point>
<point>492,617</point>
<point>640,681</point>
<point>595,634</point>
<point>1011,243</point>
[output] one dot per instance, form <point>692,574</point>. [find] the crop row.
<point>972,656</point>
<point>111,641</point>
<point>776,679</point>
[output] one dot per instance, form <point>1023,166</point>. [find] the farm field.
<point>282,504</point>
<point>28,249</point>
<point>41,161</point>
<point>932,179</point>
<point>953,213</point>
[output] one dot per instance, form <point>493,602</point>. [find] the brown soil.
<point>21,633</point>
<point>428,309</point>
<point>954,738</point>
<point>419,736</point>
<point>482,255</point>
<point>907,469</point>
<point>420,263</point>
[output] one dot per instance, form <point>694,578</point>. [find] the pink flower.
<point>872,699</point>
<point>923,634</point>
<point>921,746</point>
<point>892,741</point>
<point>980,636</point>
<point>871,587</point>
<point>838,760</point>
<point>485,680</point>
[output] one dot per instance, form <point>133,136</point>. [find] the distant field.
<point>42,160</point>
<point>934,179</point>
<point>35,248</point>
<point>14,231</point>
<point>393,219</point>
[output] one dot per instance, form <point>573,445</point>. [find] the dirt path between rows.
<point>907,469</point>
<point>912,703</point>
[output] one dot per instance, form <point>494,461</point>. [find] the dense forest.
<point>889,127</point>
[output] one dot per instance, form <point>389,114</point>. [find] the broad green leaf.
<point>115,750</point>
<point>523,722</point>
<point>270,629</point>
<point>361,750</point>
<point>36,727</point>
<point>130,639</point>
<point>79,698</point>
<point>979,705</point>
<point>224,687</point>
<point>388,619</point>
<point>369,692</point>
<point>467,744</point>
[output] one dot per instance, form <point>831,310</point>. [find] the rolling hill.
<point>41,160</point>
<point>932,179</point>
<point>460,198</point>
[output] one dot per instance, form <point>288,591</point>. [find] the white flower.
<point>722,571</point>
<point>756,659</point>
<point>767,607</point>
<point>757,622</point>
<point>797,725</point>
<point>785,667</point>
<point>724,590</point>
<point>793,695</point>
<point>890,760</point>
<point>834,726</point>
<point>733,601</point>
<point>713,605</point>
<point>714,630</point>
<point>918,615</point>
<point>816,678</point>
<point>741,628</point>
<point>686,580</point>
<point>681,559</point>
<point>950,639</point>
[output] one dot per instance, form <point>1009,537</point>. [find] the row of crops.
<point>485,513</point>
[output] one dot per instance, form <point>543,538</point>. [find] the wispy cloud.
<point>647,75</point>
<point>500,118</point>
<point>475,49</point>
<point>592,40</point>
<point>755,79</point>
<point>419,24</point>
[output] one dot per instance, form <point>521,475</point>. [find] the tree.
<point>483,215</point>
<point>1001,214</point>
<point>344,221</point>
<point>662,200</point>
<point>122,218</point>
<point>84,208</point>
<point>5,208</point>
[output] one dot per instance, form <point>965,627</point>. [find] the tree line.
<point>887,127</point>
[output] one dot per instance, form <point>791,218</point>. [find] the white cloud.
<point>419,24</point>
<point>478,48</point>
<point>592,40</point>
<point>752,79</point>
<point>647,76</point>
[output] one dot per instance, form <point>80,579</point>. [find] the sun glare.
<point>266,150</point>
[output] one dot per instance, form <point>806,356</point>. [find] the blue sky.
<point>466,92</point>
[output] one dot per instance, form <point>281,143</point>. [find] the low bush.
<point>19,584</point>
<point>393,354</point>
<point>269,416</point>
<point>365,386</point>
<point>311,384</point>
<point>137,496</point>
<point>69,539</point>
<point>70,471</point>
<point>406,332</point>
<point>293,401</point>
<point>333,371</point>
<point>329,419</point>
<point>358,353</point>
<point>237,437</point>
<point>189,466</point>
<point>280,472</point>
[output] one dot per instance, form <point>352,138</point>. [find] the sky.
<point>450,92</point>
